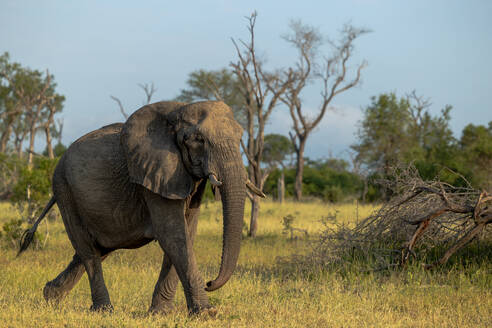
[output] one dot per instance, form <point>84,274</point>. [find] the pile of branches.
<point>422,218</point>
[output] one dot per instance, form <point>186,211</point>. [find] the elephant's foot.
<point>210,312</point>
<point>206,309</point>
<point>162,308</point>
<point>104,308</point>
<point>53,293</point>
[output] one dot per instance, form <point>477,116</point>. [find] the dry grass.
<point>262,293</point>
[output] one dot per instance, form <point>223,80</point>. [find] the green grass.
<point>263,292</point>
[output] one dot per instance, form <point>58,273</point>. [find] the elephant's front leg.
<point>176,239</point>
<point>165,289</point>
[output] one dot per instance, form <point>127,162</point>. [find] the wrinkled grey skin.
<point>125,185</point>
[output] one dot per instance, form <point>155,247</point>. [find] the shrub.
<point>30,194</point>
<point>33,188</point>
<point>333,194</point>
<point>289,229</point>
<point>12,231</point>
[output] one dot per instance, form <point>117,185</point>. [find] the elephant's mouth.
<point>196,166</point>
<point>196,163</point>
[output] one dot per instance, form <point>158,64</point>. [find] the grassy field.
<point>263,292</point>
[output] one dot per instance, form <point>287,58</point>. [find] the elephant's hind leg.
<point>99,292</point>
<point>89,254</point>
<point>56,289</point>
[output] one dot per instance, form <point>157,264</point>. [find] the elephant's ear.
<point>153,157</point>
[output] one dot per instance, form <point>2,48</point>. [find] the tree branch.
<point>248,156</point>
<point>149,92</point>
<point>120,105</point>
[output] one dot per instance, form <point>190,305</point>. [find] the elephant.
<point>127,184</point>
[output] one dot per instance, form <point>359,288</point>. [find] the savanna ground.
<point>269,288</point>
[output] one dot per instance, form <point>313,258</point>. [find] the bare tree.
<point>333,73</point>
<point>148,89</point>
<point>261,92</point>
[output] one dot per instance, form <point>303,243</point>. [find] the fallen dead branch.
<point>422,217</point>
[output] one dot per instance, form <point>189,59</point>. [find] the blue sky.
<point>441,49</point>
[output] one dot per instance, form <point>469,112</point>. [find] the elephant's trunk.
<point>233,192</point>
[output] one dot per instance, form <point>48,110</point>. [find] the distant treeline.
<point>330,180</point>
<point>395,132</point>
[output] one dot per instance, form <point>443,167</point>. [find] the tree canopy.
<point>28,104</point>
<point>402,130</point>
<point>475,147</point>
<point>277,149</point>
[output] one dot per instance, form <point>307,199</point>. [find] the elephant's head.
<point>170,146</point>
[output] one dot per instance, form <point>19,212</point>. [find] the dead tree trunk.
<point>5,138</point>
<point>49,145</point>
<point>281,188</point>
<point>34,116</point>
<point>299,168</point>
<point>365,190</point>
<point>19,141</point>
<point>30,155</point>
<point>255,211</point>
<point>52,107</point>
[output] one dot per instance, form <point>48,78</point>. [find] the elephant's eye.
<point>195,141</point>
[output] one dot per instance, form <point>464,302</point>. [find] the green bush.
<point>12,231</point>
<point>333,194</point>
<point>30,193</point>
<point>11,234</point>
<point>34,183</point>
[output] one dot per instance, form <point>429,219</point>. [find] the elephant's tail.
<point>28,235</point>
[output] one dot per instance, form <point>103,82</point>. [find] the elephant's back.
<point>107,136</point>
<point>95,154</point>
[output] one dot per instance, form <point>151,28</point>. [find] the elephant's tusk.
<point>214,181</point>
<point>254,189</point>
